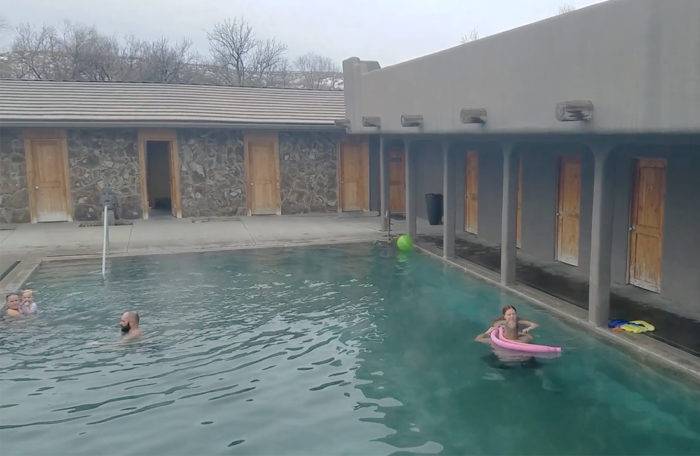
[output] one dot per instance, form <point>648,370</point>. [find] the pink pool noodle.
<point>500,341</point>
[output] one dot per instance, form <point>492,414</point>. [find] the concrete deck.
<point>30,244</point>
<point>170,234</point>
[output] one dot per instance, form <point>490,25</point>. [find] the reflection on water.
<point>312,351</point>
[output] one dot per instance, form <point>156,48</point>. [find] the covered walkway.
<point>556,279</point>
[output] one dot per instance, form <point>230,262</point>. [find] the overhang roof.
<point>636,61</point>
<point>29,103</point>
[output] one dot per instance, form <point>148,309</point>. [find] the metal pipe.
<point>105,240</point>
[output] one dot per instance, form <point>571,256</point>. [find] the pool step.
<point>17,272</point>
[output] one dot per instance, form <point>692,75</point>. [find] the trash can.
<point>433,204</point>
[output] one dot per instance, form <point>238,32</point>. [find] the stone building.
<point>183,150</point>
<point>574,141</point>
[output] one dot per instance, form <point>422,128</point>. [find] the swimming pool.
<point>314,350</point>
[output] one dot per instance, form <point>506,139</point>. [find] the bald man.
<point>12,303</point>
<point>129,324</point>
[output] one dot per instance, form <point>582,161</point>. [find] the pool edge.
<point>644,349</point>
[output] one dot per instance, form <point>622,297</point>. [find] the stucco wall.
<point>99,158</point>
<point>14,202</point>
<point>539,202</point>
<point>680,284</point>
<point>680,267</point>
<point>212,172</point>
<point>523,73</point>
<point>308,172</point>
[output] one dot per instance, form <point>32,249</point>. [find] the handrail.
<point>105,241</point>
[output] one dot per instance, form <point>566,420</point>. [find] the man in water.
<point>12,303</point>
<point>129,324</point>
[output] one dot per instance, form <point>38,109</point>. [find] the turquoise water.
<point>333,350</point>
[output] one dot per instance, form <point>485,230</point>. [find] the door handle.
<point>632,228</point>
<point>36,187</point>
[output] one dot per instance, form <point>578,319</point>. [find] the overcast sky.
<point>389,31</point>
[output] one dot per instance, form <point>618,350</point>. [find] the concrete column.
<point>449,193</point>
<point>508,212</point>
<point>601,235</point>
<point>410,189</point>
<point>384,184</point>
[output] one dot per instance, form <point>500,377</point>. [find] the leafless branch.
<point>471,36</point>
<point>317,71</point>
<point>566,8</point>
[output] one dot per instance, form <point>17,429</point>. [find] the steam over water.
<point>338,350</point>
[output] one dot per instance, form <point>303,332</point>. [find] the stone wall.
<point>212,176</point>
<point>212,172</point>
<point>308,167</point>
<point>14,201</point>
<point>100,158</point>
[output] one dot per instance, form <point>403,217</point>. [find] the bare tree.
<point>4,25</point>
<point>34,53</point>
<point>82,53</point>
<point>79,54</point>
<point>268,64</point>
<point>231,42</point>
<point>317,71</point>
<point>87,55</point>
<point>471,36</point>
<point>157,61</point>
<point>242,58</point>
<point>566,8</point>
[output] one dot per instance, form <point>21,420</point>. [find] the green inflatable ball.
<point>404,243</point>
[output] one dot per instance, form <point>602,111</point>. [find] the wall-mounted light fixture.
<point>411,120</point>
<point>371,121</point>
<point>345,123</point>
<point>574,110</point>
<point>473,116</point>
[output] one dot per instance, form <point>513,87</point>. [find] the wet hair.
<point>503,313</point>
<point>507,308</point>
<point>14,293</point>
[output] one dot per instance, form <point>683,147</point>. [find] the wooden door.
<point>569,210</point>
<point>471,193</point>
<point>262,172</point>
<point>647,219</point>
<point>519,209</point>
<point>354,176</point>
<point>397,181</point>
<point>47,166</point>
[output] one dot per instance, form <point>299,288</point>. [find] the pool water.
<point>315,350</point>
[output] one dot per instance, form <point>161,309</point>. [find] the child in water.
<point>28,305</point>
<point>12,303</point>
<point>514,329</point>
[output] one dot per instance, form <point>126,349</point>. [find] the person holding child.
<point>12,305</point>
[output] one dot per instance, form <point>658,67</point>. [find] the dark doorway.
<point>158,179</point>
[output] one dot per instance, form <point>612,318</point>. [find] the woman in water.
<point>513,328</point>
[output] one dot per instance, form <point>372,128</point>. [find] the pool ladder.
<point>105,240</point>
